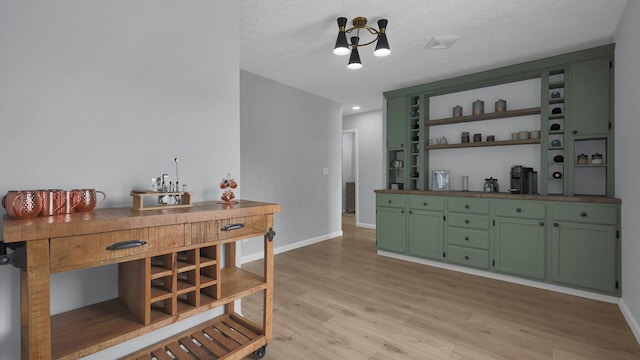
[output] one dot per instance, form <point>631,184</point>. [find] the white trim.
<point>628,315</point>
<point>515,280</point>
<point>289,247</point>
<point>367,226</point>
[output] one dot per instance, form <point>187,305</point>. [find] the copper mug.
<point>88,199</point>
<point>53,202</point>
<point>25,204</point>
<point>71,201</point>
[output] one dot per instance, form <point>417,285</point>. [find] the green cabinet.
<point>590,96</point>
<point>396,124</point>
<point>519,238</point>
<point>468,232</point>
<point>391,223</point>
<point>585,247</point>
<point>426,233</point>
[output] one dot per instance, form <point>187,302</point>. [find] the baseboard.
<point>633,323</point>
<point>486,274</point>
<point>289,247</point>
<point>366,226</point>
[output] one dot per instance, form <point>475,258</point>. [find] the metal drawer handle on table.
<point>126,244</point>
<point>232,227</point>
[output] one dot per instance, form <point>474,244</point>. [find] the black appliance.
<point>523,180</point>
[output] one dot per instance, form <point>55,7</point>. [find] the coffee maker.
<point>523,180</point>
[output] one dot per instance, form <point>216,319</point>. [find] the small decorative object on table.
<point>478,107</point>
<point>228,184</point>
<point>501,105</point>
<point>457,111</point>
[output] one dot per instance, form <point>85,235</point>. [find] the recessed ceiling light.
<point>356,107</point>
<point>442,42</point>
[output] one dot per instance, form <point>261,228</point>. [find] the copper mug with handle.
<point>88,199</point>
<point>22,204</point>
<point>72,200</point>
<point>53,202</point>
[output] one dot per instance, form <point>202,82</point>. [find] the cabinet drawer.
<point>242,226</point>
<point>472,238</point>
<point>470,257</point>
<point>73,252</point>
<point>588,213</point>
<point>469,221</point>
<point>391,200</point>
<point>467,205</point>
<point>426,203</point>
<point>519,209</point>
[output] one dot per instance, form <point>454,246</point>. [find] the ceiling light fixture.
<point>342,46</point>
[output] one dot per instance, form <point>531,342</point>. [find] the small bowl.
<point>523,135</point>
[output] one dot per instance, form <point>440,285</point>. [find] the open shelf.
<point>484,143</point>
<point>481,117</point>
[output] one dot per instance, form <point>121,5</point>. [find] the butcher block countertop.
<point>506,196</point>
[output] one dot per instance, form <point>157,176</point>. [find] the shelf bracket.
<point>271,234</point>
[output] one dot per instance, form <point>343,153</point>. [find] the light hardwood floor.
<point>339,300</point>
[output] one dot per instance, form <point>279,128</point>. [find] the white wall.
<point>288,139</point>
<point>627,148</point>
<point>370,168</point>
<point>104,94</point>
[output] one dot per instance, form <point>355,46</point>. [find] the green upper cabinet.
<point>396,124</point>
<point>426,234</point>
<point>590,96</point>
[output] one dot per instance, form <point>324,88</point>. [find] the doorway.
<point>350,171</point>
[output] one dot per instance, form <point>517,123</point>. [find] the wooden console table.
<point>169,268</point>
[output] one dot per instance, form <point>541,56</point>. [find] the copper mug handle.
<point>104,197</point>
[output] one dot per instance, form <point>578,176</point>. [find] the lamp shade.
<point>342,47</point>
<point>382,46</point>
<point>354,59</point>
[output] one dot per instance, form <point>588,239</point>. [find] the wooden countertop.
<point>112,219</point>
<point>505,195</point>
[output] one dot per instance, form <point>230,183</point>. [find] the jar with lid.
<point>596,159</point>
<point>582,159</point>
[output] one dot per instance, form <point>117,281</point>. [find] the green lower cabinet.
<point>426,234</point>
<point>584,255</point>
<point>519,247</point>
<point>467,256</point>
<point>390,229</point>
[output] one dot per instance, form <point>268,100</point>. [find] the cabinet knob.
<point>401,211</point>
<point>518,210</point>
<point>556,224</point>
<point>574,132</point>
<point>583,214</point>
<point>389,201</point>
<point>466,238</point>
<point>466,206</point>
<point>466,257</point>
<point>466,221</point>
<point>410,211</point>
<point>424,203</point>
<point>541,223</point>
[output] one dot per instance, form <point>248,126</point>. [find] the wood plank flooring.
<point>339,300</point>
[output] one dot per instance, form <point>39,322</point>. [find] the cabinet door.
<point>426,229</point>
<point>520,247</point>
<point>390,229</point>
<point>584,255</point>
<point>396,128</point>
<point>590,96</point>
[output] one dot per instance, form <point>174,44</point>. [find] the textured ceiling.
<point>291,41</point>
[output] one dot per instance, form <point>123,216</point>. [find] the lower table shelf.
<point>225,337</point>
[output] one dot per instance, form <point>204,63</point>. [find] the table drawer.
<point>469,221</point>
<point>467,256</point>
<point>468,205</point>
<point>586,213</point>
<point>73,252</point>
<point>519,209</point>
<point>426,203</point>
<point>391,200</point>
<point>241,226</point>
<point>465,237</point>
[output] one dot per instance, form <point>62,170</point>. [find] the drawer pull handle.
<point>466,221</point>
<point>518,210</point>
<point>126,244</point>
<point>556,224</point>
<point>466,257</point>
<point>583,214</point>
<point>541,223</point>
<point>424,203</point>
<point>466,206</point>
<point>232,227</point>
<point>466,238</point>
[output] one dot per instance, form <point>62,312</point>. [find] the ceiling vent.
<point>441,42</point>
